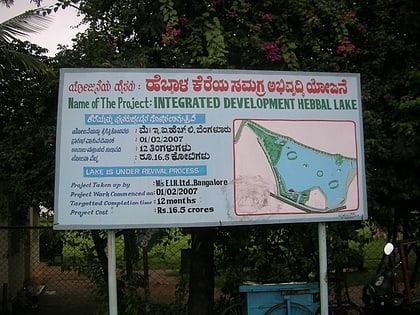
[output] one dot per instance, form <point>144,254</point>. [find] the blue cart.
<point>295,298</point>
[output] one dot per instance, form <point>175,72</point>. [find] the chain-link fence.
<point>56,272</point>
<point>31,272</point>
<point>59,272</point>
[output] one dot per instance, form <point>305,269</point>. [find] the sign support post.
<point>323,275</point>
<point>112,277</point>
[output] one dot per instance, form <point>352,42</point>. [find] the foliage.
<point>8,3</point>
<point>27,119</point>
<point>377,39</point>
<point>389,63</point>
<point>365,37</point>
<point>10,30</point>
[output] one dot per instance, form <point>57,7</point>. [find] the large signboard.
<point>170,147</point>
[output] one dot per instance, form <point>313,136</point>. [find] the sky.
<point>60,31</point>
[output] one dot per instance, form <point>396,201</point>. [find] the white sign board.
<point>143,148</point>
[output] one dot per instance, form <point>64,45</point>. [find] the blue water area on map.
<point>303,168</point>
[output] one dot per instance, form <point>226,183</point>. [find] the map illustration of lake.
<point>286,175</point>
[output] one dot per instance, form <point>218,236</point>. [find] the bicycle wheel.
<point>295,309</point>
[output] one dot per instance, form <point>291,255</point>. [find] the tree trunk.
<point>100,246</point>
<point>131,251</point>
<point>201,287</point>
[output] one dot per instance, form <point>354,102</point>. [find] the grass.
<point>160,256</point>
<point>168,257</point>
<point>372,253</point>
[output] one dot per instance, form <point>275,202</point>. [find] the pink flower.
<point>168,38</point>
<point>183,19</point>
<point>271,51</point>
<point>268,17</point>
<point>233,14</point>
<point>346,49</point>
<point>349,17</point>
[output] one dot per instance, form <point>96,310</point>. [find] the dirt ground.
<point>162,286</point>
<point>68,293</point>
<point>64,293</point>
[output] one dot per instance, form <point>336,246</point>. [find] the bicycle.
<point>383,295</point>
